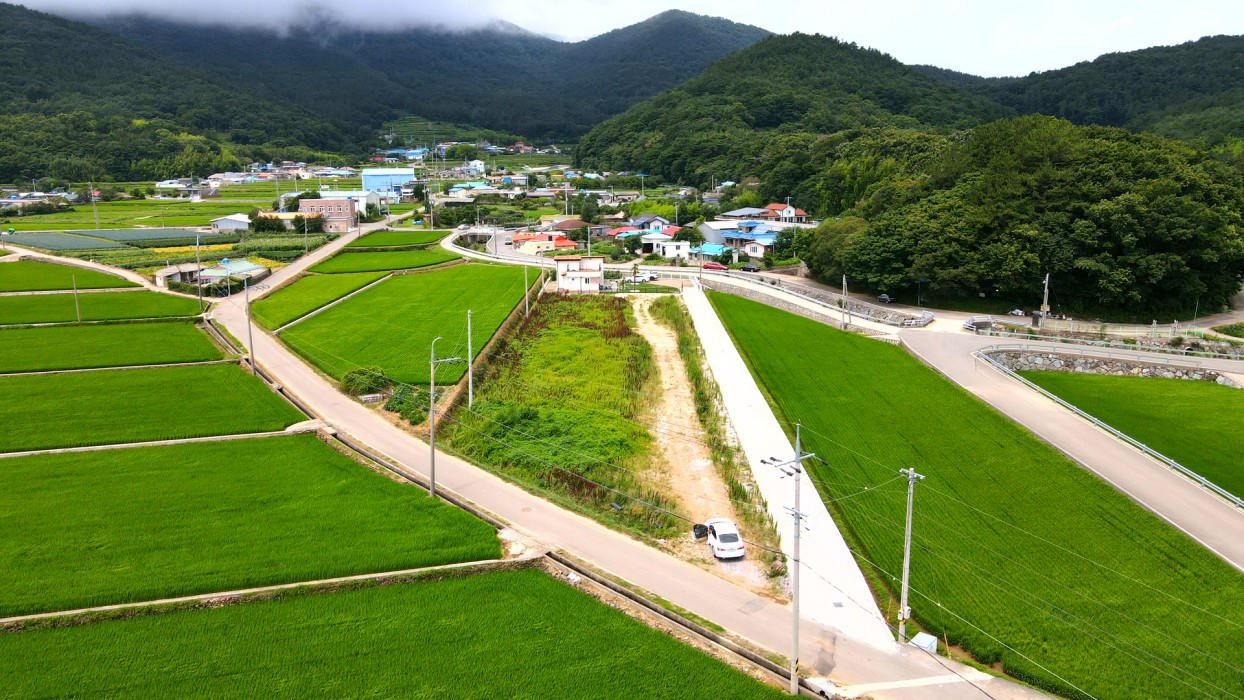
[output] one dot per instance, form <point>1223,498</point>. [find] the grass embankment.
<point>393,239</point>
<point>306,295</point>
<point>97,528</point>
<point>517,634</point>
<point>392,324</point>
<point>113,345</point>
<point>1235,329</point>
<point>1198,424</point>
<point>28,276</point>
<point>96,306</point>
<point>47,411</point>
<point>566,389</point>
<point>375,262</point>
<point>1096,566</point>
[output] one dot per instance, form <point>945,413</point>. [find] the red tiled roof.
<point>559,242</point>
<point>620,229</point>
<point>778,207</point>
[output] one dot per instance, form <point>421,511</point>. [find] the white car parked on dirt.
<point>724,540</point>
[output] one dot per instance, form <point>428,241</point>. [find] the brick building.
<point>338,213</point>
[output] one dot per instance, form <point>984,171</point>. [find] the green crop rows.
<point>517,634</point>
<point>1198,424</point>
<point>60,241</point>
<point>96,528</point>
<point>46,411</point>
<point>1008,534</point>
<point>375,262</point>
<point>307,295</point>
<point>392,324</point>
<point>382,239</point>
<point>27,276</point>
<point>114,345</point>
<point>96,306</point>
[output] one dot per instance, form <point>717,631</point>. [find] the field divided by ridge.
<point>96,306</point>
<point>1018,555</point>
<point>48,411</point>
<point>387,239</point>
<point>306,295</point>
<point>48,348</point>
<point>30,276</point>
<point>376,262</point>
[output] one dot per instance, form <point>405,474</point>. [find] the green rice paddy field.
<point>28,276</point>
<point>306,295</point>
<point>112,345</point>
<point>382,239</point>
<point>1009,536</point>
<point>47,411</point>
<point>375,262</point>
<point>97,528</point>
<point>1198,424</point>
<point>518,634</point>
<point>96,306</point>
<point>142,212</point>
<point>392,324</point>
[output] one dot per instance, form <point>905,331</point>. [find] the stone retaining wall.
<point>1057,362</point>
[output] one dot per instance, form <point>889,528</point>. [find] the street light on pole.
<point>433,362</point>
<point>904,612</point>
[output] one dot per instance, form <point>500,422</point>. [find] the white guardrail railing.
<point>983,355</point>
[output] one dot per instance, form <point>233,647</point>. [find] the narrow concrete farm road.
<point>890,673</point>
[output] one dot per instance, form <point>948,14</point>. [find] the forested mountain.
<point>79,102</point>
<point>501,77</point>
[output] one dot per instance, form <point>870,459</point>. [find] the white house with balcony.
<point>579,274</point>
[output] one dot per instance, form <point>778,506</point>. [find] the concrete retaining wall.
<point>1056,362</point>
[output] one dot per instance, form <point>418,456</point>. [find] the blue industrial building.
<point>386,179</point>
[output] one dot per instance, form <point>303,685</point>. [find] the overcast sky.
<point>990,38</point>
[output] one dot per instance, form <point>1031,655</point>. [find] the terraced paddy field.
<point>383,239</point>
<point>29,276</point>
<point>1032,560</point>
<point>1198,424</point>
<point>49,348</point>
<point>375,262</point>
<point>306,295</point>
<point>518,634</point>
<point>97,528</point>
<point>392,324</point>
<point>96,306</point>
<point>108,407</point>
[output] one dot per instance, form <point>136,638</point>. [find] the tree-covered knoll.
<point>78,102</point>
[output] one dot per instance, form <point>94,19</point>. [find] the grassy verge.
<point>306,295</point>
<point>1198,424</point>
<point>112,345</point>
<point>505,635</point>
<point>386,239</point>
<point>1032,552</point>
<point>97,306</point>
<point>136,405</point>
<point>375,262</point>
<point>98,528</point>
<point>1235,330</point>
<point>27,276</point>
<point>392,325</point>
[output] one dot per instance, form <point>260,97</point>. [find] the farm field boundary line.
<point>105,322</point>
<point>1078,462</point>
<point>296,429</point>
<point>108,369</point>
<point>46,292</point>
<point>332,303</point>
<point>237,595</point>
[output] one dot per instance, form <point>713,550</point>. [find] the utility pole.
<point>198,270</point>
<point>1045,302</point>
<point>793,468</point>
<point>526,292</point>
<point>250,336</point>
<point>470,365</point>
<point>304,235</point>
<point>432,363</point>
<point>76,310</point>
<point>162,224</point>
<point>844,302</point>
<point>904,612</point>
<point>93,207</point>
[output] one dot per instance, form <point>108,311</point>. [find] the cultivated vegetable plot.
<point>96,306</point>
<point>383,239</point>
<point>59,241</point>
<point>112,345</point>
<point>1198,424</point>
<point>374,262</point>
<point>518,634</point>
<point>392,324</point>
<point>97,528</point>
<point>307,295</point>
<point>46,411</point>
<point>28,276</point>
<point>124,235</point>
<point>1008,534</point>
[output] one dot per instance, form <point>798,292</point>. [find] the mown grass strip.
<point>392,324</point>
<point>50,348</point>
<point>307,295</point>
<point>496,635</point>
<point>48,411</point>
<point>97,306</point>
<point>375,262</point>
<point>29,276</point>
<point>1198,424</point>
<point>384,239</point>
<point>101,528</point>
<point>1059,536</point>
